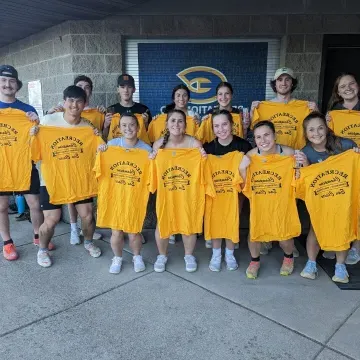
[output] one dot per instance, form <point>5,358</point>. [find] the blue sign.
<point>201,67</point>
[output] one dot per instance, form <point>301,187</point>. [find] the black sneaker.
<point>22,217</point>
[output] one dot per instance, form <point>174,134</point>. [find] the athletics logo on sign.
<point>202,82</point>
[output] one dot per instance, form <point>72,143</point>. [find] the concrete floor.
<point>77,310</point>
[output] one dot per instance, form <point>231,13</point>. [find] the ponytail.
<point>166,139</point>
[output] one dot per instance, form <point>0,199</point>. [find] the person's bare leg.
<point>36,215</point>
<point>46,230</point>
<point>135,243</point>
<point>117,242</point>
<point>4,218</point>
<point>162,244</point>
<point>189,243</point>
<point>312,245</point>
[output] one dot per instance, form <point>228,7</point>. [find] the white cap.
<point>282,71</point>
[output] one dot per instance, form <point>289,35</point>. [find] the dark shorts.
<point>34,185</point>
<point>45,200</point>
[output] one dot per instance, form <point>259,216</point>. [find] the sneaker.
<point>9,252</point>
<point>74,237</point>
<point>296,252</point>
<point>138,263</point>
<point>96,236</point>
<point>353,257</point>
<point>329,255</point>
<point>93,250</point>
<point>43,259</point>
<point>265,248</point>
<point>310,270</point>
<point>22,217</point>
<point>341,274</point>
<point>115,266</point>
<point>160,263</point>
<point>231,263</point>
<point>172,240</point>
<point>190,263</point>
<point>287,267</point>
<point>215,263</point>
<point>11,211</point>
<point>253,269</point>
<point>208,244</point>
<point>236,246</point>
<point>51,245</point>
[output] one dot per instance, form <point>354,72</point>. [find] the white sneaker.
<point>296,252</point>
<point>74,237</point>
<point>231,263</point>
<point>208,244</point>
<point>138,263</point>
<point>93,250</point>
<point>172,239</point>
<point>190,263</point>
<point>96,236</point>
<point>215,263</point>
<point>353,257</point>
<point>265,248</point>
<point>43,259</point>
<point>160,263</point>
<point>115,267</point>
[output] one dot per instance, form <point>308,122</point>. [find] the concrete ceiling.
<point>22,18</point>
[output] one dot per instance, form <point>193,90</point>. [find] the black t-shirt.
<point>340,106</point>
<point>237,144</point>
<point>137,108</point>
<point>233,110</point>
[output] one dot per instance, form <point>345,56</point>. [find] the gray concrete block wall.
<point>95,48</point>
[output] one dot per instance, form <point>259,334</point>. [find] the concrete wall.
<point>95,47</point>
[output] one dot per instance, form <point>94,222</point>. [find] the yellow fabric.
<point>330,190</point>
<point>15,150</point>
<point>95,117</point>
<point>287,119</point>
<point>123,178</point>
<point>157,127</point>
<point>222,211</point>
<point>67,158</point>
<point>346,123</point>
<point>115,132</point>
<point>270,188</point>
<point>206,134</point>
<point>181,178</point>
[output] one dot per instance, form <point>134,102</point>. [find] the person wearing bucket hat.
<point>126,104</point>
<point>9,86</point>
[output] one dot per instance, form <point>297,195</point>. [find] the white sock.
<point>229,252</point>
<point>216,252</point>
<point>74,227</point>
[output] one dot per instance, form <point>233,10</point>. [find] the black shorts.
<point>34,185</point>
<point>45,200</point>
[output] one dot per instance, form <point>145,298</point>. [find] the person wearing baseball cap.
<point>9,86</point>
<point>125,90</point>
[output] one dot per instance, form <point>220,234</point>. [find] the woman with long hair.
<point>321,143</point>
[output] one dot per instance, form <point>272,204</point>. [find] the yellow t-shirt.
<point>346,123</point>
<point>331,190</point>
<point>222,211</point>
<point>95,117</point>
<point>270,187</point>
<point>206,134</point>
<point>181,178</point>
<point>67,158</point>
<point>157,127</point>
<point>115,132</point>
<point>123,178</point>
<point>287,119</point>
<point>15,150</point>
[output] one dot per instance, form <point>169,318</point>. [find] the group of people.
<point>200,168</point>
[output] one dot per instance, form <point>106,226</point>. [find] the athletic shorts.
<point>45,200</point>
<point>34,185</point>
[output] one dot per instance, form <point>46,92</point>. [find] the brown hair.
<point>333,142</point>
<point>267,123</point>
<point>293,86</point>
<point>130,115</point>
<point>167,134</point>
<point>335,97</point>
<point>218,112</point>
